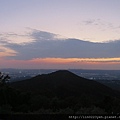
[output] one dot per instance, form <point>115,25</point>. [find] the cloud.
<point>89,22</point>
<point>46,46</point>
<point>6,52</point>
<point>6,38</point>
<point>101,24</point>
<point>43,35</point>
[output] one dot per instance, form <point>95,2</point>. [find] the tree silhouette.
<point>4,78</point>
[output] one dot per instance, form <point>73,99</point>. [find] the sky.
<point>60,34</point>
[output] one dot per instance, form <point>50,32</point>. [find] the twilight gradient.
<point>46,33</point>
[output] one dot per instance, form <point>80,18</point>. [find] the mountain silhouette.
<point>64,84</point>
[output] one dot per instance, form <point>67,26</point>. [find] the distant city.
<point>22,74</point>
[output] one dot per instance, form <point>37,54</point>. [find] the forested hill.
<point>63,83</point>
<point>60,92</point>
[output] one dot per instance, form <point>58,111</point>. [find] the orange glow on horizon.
<point>62,63</point>
<point>76,60</point>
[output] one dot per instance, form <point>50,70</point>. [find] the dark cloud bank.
<point>47,45</point>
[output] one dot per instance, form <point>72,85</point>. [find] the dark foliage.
<point>4,78</point>
<point>13,98</point>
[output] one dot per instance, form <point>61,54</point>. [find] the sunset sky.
<point>60,34</point>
